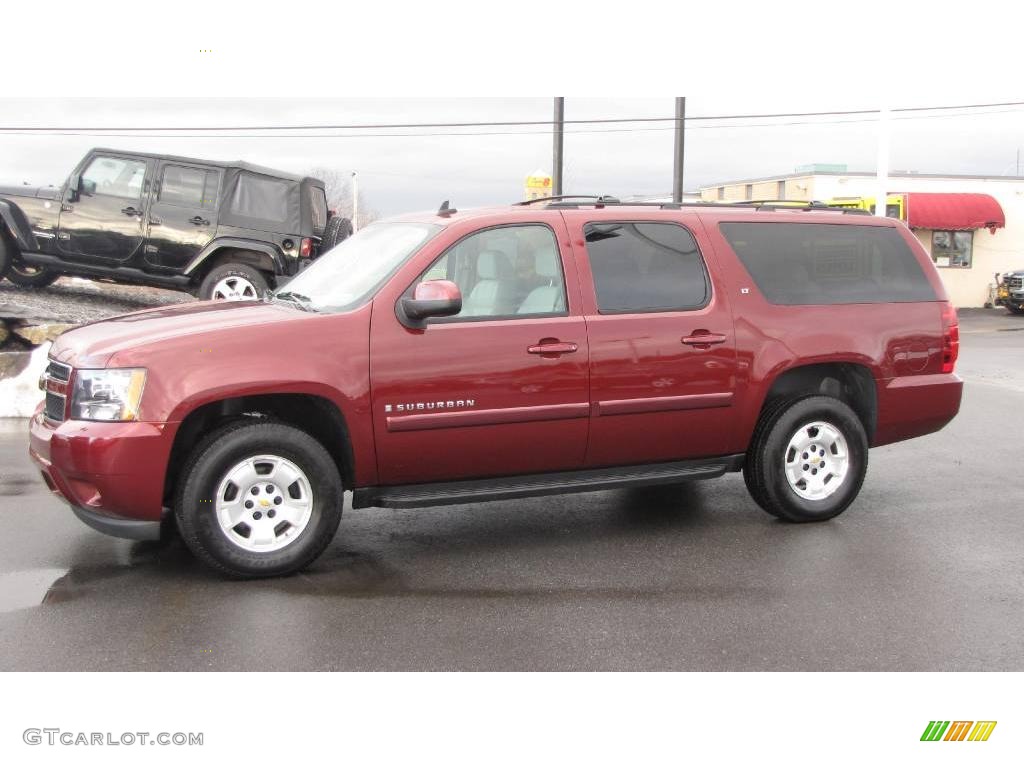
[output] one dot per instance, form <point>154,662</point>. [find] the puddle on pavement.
<point>27,589</point>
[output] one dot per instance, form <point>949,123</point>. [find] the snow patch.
<point>20,396</point>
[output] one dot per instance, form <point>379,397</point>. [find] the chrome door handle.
<point>552,347</point>
<point>702,339</point>
<point>130,211</point>
<point>198,220</point>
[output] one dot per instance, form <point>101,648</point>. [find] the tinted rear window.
<point>828,263</point>
<point>645,266</point>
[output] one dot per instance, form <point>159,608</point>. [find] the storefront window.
<point>952,249</point>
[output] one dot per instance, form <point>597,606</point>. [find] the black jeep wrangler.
<point>218,230</point>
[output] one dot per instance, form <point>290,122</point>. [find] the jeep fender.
<point>274,260</point>
<point>15,222</point>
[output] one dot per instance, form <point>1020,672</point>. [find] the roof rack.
<point>558,198</point>
<point>600,201</point>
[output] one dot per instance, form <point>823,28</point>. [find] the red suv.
<point>556,346</point>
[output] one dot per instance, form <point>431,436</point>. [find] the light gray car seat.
<point>494,292</point>
<point>544,299</point>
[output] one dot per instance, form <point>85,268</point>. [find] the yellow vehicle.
<point>895,205</point>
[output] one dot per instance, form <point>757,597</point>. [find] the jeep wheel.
<point>807,460</point>
<point>22,274</point>
<point>233,282</point>
<point>338,229</point>
<point>1016,310</point>
<point>259,499</point>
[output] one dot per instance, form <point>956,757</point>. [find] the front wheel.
<point>234,282</point>
<point>1016,310</point>
<point>808,459</point>
<point>259,499</point>
<point>24,276</point>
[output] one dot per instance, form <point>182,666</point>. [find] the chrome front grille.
<point>1015,283</point>
<point>55,383</point>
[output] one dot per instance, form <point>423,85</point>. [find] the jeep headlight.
<point>108,394</point>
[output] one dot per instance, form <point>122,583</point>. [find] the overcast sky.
<point>401,173</point>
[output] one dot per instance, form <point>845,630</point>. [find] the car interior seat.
<point>494,292</point>
<point>544,299</point>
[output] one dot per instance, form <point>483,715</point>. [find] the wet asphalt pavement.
<point>924,572</point>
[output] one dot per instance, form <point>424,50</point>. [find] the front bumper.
<point>111,473</point>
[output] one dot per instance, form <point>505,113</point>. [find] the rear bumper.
<point>112,474</point>
<point>912,406</point>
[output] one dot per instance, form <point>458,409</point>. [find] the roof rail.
<point>554,198</point>
<point>578,201</point>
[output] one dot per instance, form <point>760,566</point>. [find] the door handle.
<point>552,347</point>
<point>198,220</point>
<point>130,211</point>
<point>702,339</point>
<point>155,221</point>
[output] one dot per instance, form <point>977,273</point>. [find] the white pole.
<point>882,180</point>
<point>355,202</point>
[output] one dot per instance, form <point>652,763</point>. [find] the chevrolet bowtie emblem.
<point>264,503</point>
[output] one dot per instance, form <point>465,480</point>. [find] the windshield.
<point>353,270</point>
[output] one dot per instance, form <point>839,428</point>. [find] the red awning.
<point>953,210</point>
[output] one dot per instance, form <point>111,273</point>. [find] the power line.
<point>486,133</point>
<point>79,130</point>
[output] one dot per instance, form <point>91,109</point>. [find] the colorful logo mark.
<point>958,730</point>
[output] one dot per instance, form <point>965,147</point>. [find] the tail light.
<point>306,247</point>
<point>950,338</point>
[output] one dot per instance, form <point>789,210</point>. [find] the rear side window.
<point>188,187</point>
<point>828,263</point>
<point>645,266</point>
<point>261,197</point>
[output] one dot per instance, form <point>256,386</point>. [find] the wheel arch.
<point>849,381</point>
<point>262,256</point>
<point>315,414</point>
<point>15,232</point>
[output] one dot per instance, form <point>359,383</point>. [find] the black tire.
<point>258,285</point>
<point>338,229</point>
<point>764,469</point>
<point>5,255</point>
<point>1016,310</point>
<point>207,468</point>
<point>19,273</point>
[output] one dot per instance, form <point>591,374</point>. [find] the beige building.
<point>967,253</point>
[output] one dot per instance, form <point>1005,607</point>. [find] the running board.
<point>121,274</point>
<point>578,481</point>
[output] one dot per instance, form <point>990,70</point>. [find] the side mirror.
<point>73,183</point>
<point>432,298</point>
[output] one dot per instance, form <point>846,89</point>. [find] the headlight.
<point>108,394</point>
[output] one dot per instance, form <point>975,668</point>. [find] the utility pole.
<point>355,202</point>
<point>559,133</point>
<point>677,162</point>
<point>882,177</point>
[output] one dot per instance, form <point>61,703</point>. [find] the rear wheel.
<point>234,282</point>
<point>807,460</point>
<point>259,499</point>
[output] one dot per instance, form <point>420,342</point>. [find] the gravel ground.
<point>74,300</point>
